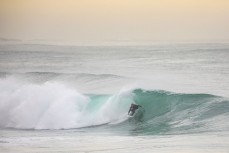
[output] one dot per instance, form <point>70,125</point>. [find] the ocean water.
<point>56,98</point>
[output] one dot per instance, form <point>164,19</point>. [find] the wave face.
<point>167,112</point>
<point>52,105</point>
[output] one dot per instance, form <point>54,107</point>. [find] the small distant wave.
<point>54,74</point>
<point>42,77</point>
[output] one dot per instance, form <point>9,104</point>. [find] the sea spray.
<point>52,105</point>
<point>47,106</point>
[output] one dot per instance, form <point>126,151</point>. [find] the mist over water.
<point>183,89</point>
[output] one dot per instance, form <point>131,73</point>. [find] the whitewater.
<point>56,98</point>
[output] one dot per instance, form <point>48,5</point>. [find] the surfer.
<point>133,108</point>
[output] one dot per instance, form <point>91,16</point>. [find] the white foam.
<point>52,105</point>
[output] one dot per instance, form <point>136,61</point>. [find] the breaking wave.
<point>52,105</point>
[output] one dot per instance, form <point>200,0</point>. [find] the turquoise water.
<point>76,98</point>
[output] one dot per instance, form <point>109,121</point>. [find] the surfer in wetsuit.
<point>133,108</point>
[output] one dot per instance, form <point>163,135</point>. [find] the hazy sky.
<point>115,20</point>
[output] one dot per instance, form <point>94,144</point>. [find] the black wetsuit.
<point>132,109</point>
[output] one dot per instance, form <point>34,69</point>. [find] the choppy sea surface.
<point>56,98</point>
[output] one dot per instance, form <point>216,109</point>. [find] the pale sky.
<point>91,21</point>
